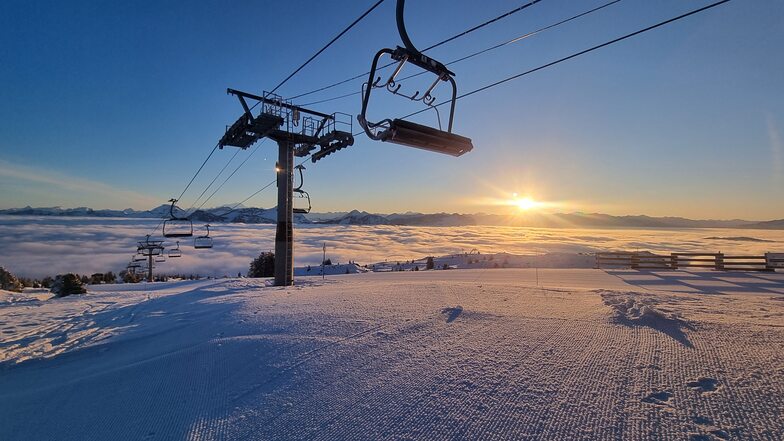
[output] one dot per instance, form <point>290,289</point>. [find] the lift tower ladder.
<point>297,131</point>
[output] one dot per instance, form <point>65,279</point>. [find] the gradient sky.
<point>115,105</point>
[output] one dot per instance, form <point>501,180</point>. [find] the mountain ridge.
<point>254,215</point>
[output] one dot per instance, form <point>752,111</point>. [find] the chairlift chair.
<point>160,258</point>
<point>399,131</point>
<point>301,194</point>
<point>177,226</point>
<point>203,242</point>
<point>175,252</point>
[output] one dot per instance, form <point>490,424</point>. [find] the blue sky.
<point>115,105</point>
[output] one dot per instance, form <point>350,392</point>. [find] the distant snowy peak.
<point>250,215</point>
<point>356,217</point>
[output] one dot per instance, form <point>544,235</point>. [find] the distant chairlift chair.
<point>175,252</point>
<point>301,194</point>
<point>177,226</point>
<point>404,132</point>
<point>203,242</point>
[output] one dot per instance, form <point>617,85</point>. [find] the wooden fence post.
<point>720,262</point>
<point>635,261</point>
<point>674,261</point>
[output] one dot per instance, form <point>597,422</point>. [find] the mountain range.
<point>251,215</point>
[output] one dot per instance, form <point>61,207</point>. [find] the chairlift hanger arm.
<point>301,178</point>
<point>414,55</point>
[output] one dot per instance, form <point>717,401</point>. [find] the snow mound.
<point>32,296</point>
<point>637,309</point>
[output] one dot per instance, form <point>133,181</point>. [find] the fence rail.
<point>717,261</point>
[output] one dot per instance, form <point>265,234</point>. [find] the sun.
<point>524,203</point>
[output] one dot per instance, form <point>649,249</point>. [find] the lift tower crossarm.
<point>262,99</point>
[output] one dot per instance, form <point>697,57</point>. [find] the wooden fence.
<point>716,261</point>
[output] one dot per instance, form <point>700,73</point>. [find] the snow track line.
<point>367,361</point>
<point>302,358</point>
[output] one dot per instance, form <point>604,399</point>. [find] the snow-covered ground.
<point>435,355</point>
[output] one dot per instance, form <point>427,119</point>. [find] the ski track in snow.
<point>436,355</point>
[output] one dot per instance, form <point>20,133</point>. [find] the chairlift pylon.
<point>399,131</point>
<point>203,242</point>
<point>177,226</point>
<point>301,194</point>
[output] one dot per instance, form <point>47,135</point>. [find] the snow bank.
<point>329,270</point>
<point>637,309</point>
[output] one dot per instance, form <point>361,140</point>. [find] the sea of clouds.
<point>40,246</point>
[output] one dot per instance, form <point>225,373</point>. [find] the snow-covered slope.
<point>435,355</point>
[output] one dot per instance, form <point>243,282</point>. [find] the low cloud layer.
<point>40,246</point>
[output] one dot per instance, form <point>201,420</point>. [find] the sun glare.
<point>524,203</point>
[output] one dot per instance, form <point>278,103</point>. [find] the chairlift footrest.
<point>427,138</point>
<point>244,132</point>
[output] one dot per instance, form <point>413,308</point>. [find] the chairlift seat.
<point>336,137</point>
<point>202,242</point>
<point>427,138</point>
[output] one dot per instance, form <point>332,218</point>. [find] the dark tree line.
<point>262,266</point>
